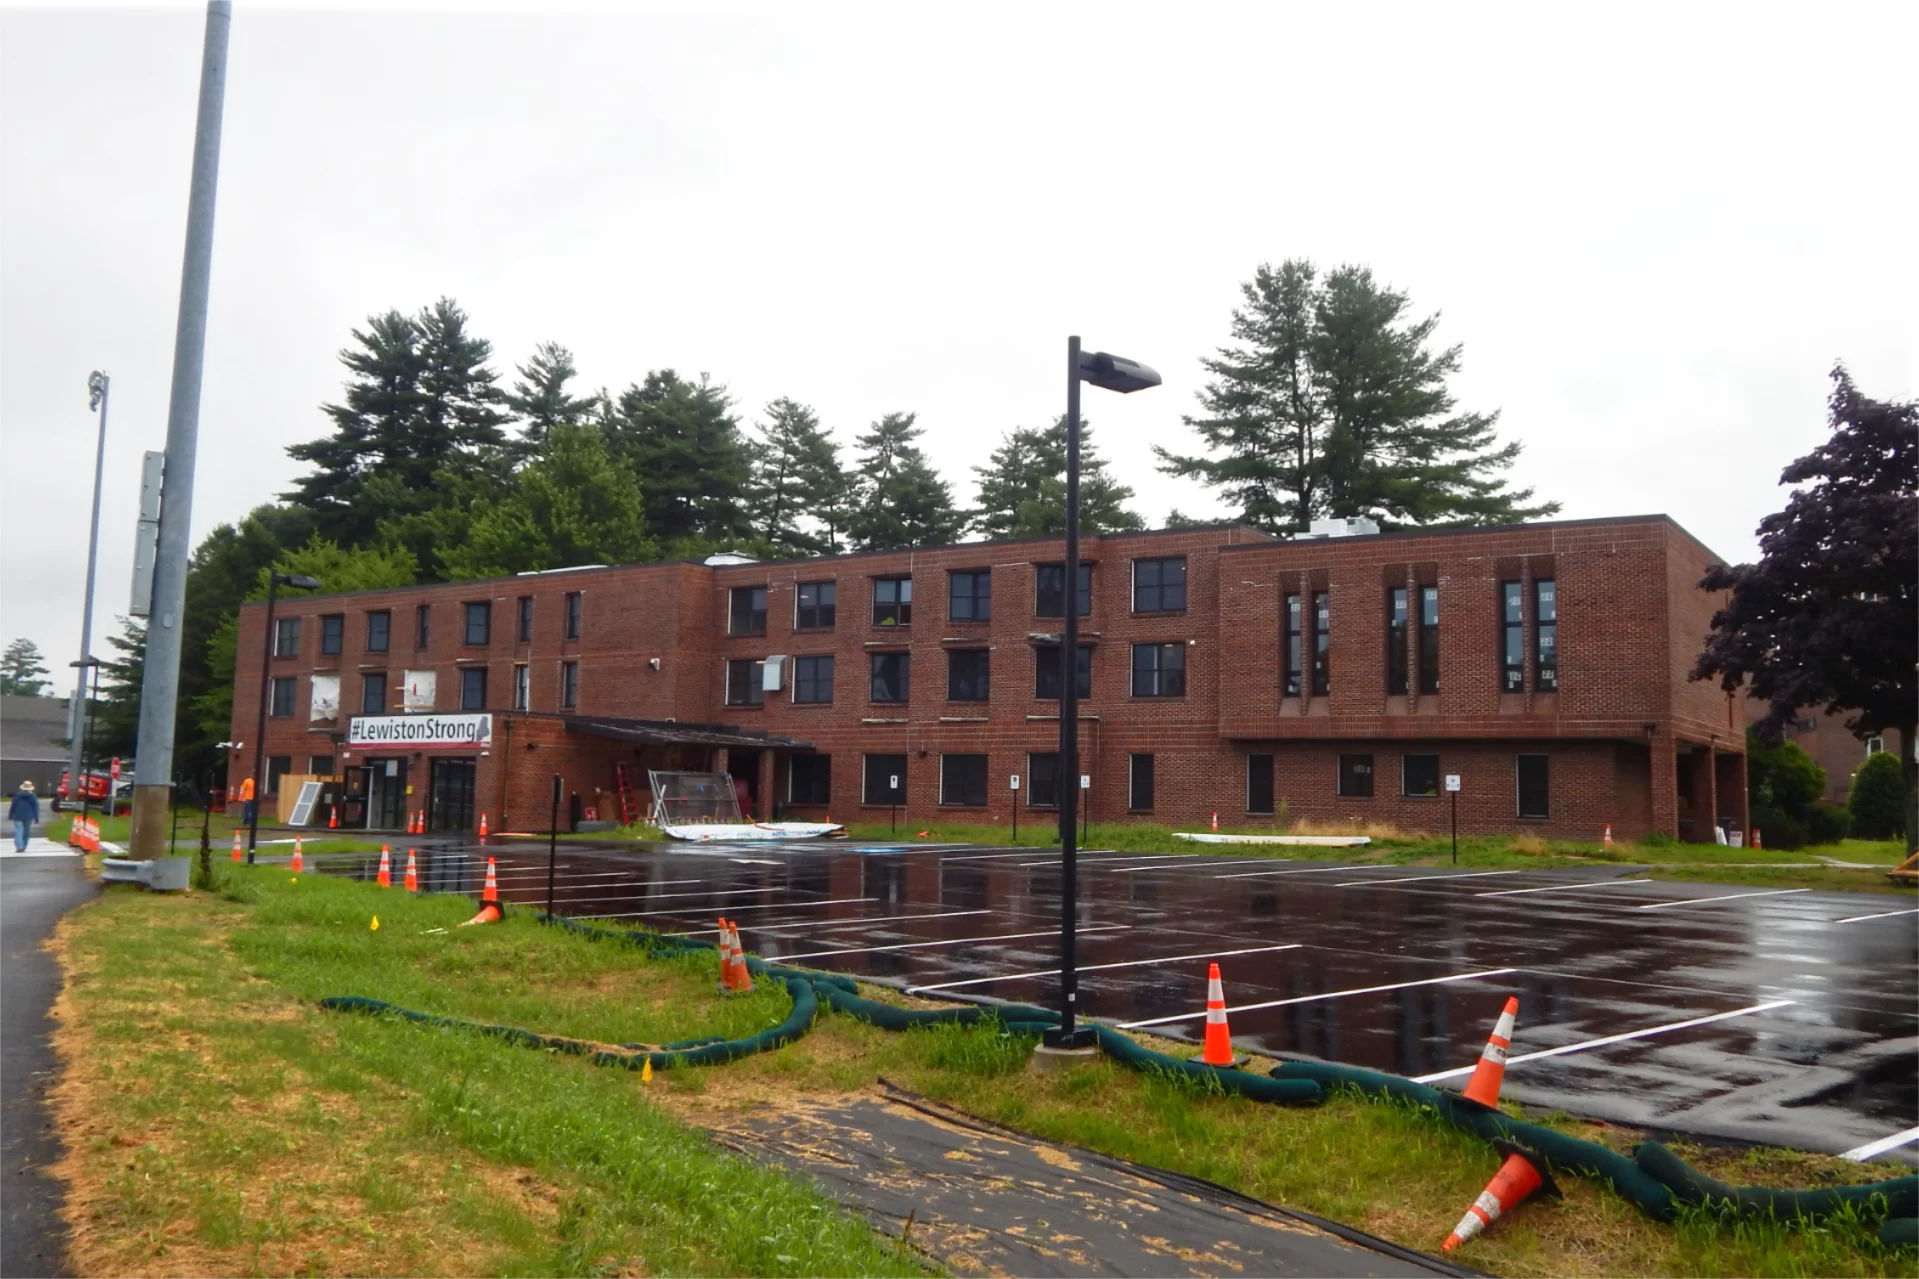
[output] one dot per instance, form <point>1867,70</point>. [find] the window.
<point>479,623</point>
<point>1545,637</point>
<point>286,637</point>
<point>1259,783</point>
<point>1512,638</point>
<point>812,679</point>
<point>969,596</point>
<point>278,766</point>
<point>473,688</point>
<point>1159,586</point>
<point>284,687</point>
<point>745,681</point>
<point>1356,776</point>
<point>1396,640</point>
<point>885,777</point>
<point>1322,644</point>
<point>1875,745</point>
<point>379,630</point>
<point>373,693</point>
<point>522,686</point>
<point>422,625</point>
<point>525,630</point>
<point>1293,651</point>
<point>890,675</point>
<point>966,674</point>
<point>332,634</point>
<point>809,779</point>
<point>1139,783</point>
<point>1159,670</point>
<point>813,607</point>
<point>746,613</point>
<point>572,631</point>
<point>1419,775</point>
<point>1051,601</point>
<point>1428,639</point>
<point>963,780</point>
<point>1532,775</point>
<point>892,601</point>
<point>1046,671</point>
<point>1042,780</point>
<point>320,765</point>
<point>569,684</point>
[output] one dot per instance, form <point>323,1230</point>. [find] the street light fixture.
<point>1111,373</point>
<point>274,582</point>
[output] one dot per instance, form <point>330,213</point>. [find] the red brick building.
<point>1332,678</point>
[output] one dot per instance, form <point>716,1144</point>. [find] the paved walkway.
<point>36,888</point>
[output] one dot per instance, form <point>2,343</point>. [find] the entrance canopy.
<point>660,732</point>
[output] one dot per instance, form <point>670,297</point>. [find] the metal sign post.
<point>553,842</point>
<point>1085,807</point>
<point>893,790</point>
<point>1015,789</point>
<point>1452,789</point>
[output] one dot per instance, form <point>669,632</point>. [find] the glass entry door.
<point>451,805</point>
<point>386,794</point>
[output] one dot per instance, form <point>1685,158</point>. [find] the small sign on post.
<point>1013,786</point>
<point>1452,789</point>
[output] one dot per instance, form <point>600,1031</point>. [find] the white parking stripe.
<point>1561,888</point>
<point>1331,994</point>
<point>1310,870</point>
<point>1884,914</point>
<point>731,910</point>
<point>834,923</point>
<point>1725,897</point>
<point>1092,968</point>
<point>955,941</point>
<point>1859,1154</point>
<point>1228,861</point>
<point>1611,1039</point>
<point>1420,879</point>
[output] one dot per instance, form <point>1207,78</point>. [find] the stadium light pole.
<point>1112,373</point>
<point>98,385</point>
<point>274,582</point>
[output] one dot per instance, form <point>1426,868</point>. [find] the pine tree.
<point>684,445</point>
<point>796,465</point>
<point>460,402</point>
<point>1332,404</point>
<point>1022,489</point>
<point>23,671</point>
<point>372,429</point>
<point>116,715</point>
<point>574,505</point>
<point>901,501</point>
<point>540,397</point>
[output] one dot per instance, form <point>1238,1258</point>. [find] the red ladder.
<point>623,779</point>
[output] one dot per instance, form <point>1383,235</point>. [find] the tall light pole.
<point>1125,376</point>
<point>274,582</point>
<point>87,665</point>
<point>97,387</point>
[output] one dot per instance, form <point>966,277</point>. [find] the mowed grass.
<point>119,830</point>
<point>220,1123</point>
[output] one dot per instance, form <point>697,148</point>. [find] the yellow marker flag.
<point>374,927</point>
<point>646,1071</point>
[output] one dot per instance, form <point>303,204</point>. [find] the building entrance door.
<point>386,807</point>
<point>450,805</point>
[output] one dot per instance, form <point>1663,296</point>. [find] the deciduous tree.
<point>572,506</point>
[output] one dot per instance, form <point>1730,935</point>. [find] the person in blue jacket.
<point>23,813</point>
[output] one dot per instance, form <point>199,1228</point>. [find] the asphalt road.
<point>1786,1017</point>
<point>34,892</point>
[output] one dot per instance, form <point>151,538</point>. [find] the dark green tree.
<point>572,506</point>
<point>900,500</point>
<point>1332,403</point>
<point>1829,616</point>
<point>1781,775</point>
<point>23,671</point>
<point>796,470</point>
<point>541,399</point>
<point>1022,489</point>
<point>1877,799</point>
<point>116,715</point>
<point>682,441</point>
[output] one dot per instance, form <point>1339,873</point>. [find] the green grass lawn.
<point>118,830</point>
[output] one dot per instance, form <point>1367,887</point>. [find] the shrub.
<point>1778,830</point>
<point>1827,823</point>
<point>1877,799</point>
<point>1782,777</point>
<point>1656,839</point>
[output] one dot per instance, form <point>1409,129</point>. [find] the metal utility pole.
<point>98,384</point>
<point>160,686</point>
<point>1068,1035</point>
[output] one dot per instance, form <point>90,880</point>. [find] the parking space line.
<point>694,910</point>
<point>1331,994</point>
<point>1561,888</point>
<point>836,923</point>
<point>954,941</point>
<point>1229,861</point>
<point>1859,1154</point>
<point>1310,870</point>
<point>1093,968</point>
<point>1611,1039</point>
<point>1420,879</point>
<point>1724,897</point>
<point>1884,914</point>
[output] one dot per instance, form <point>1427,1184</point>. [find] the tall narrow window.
<point>1042,779</point>
<point>1159,586</point>
<point>479,623</point>
<point>967,671</point>
<point>1293,650</point>
<point>278,766</point>
<point>1429,639</point>
<point>373,693</point>
<point>813,680</point>
<point>892,601</point>
<point>963,780</point>
<point>1396,640</point>
<point>1159,670</point>
<point>522,687</point>
<point>1532,774</point>
<point>1322,644</point>
<point>1139,783</point>
<point>1545,636</point>
<point>1512,638</point>
<point>379,626</point>
<point>473,688</point>
<point>525,633</point>
<point>572,630</point>
<point>747,614</point>
<point>332,634</point>
<point>969,596</point>
<point>422,626</point>
<point>1259,783</point>
<point>1046,671</point>
<point>745,682</point>
<point>815,606</point>
<point>891,672</point>
<point>1050,597</point>
<point>286,637</point>
<point>569,684</point>
<point>284,687</point>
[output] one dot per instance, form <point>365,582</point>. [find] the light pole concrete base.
<point>1052,1061</point>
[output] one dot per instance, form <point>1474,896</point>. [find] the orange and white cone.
<point>385,877</point>
<point>483,828</point>
<point>1483,1087</point>
<point>1216,823</point>
<point>726,956</point>
<point>299,857</point>
<point>1219,1040</point>
<point>1756,841</point>
<point>1606,839</point>
<point>490,909</point>
<point>412,872</point>
<point>1521,1174</point>
<point>739,976</point>
<point>236,845</point>
<point>333,817</point>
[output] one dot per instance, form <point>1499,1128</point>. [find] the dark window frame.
<point>1159,674</point>
<point>745,681</point>
<point>977,597</point>
<point>278,766</point>
<point>476,617</point>
<point>824,612</point>
<point>286,637</point>
<point>1159,595</point>
<point>572,608</point>
<point>1406,782</point>
<point>1056,589</point>
<point>887,796</point>
<point>974,779</point>
<point>473,678</point>
<point>1046,666</point>
<point>961,687</point>
<point>1134,772</point>
<point>524,632</point>
<point>746,610</point>
<point>423,626</point>
<point>1256,783</point>
<point>1512,636</point>
<point>314,763</point>
<point>1543,787</point>
<point>370,680</point>
<point>1355,779</point>
<point>1292,644</point>
<point>904,677</point>
<point>809,677</point>
<point>897,611</point>
<point>290,685</point>
<point>332,634</point>
<point>1545,635</point>
<point>817,775</point>
<point>569,685</point>
<point>1426,639</point>
<point>1033,768</point>
<point>522,686</point>
<point>379,638</point>
<point>1322,643</point>
<point>1398,602</point>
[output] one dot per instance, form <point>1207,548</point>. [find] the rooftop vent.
<point>723,559</point>
<point>1356,526</point>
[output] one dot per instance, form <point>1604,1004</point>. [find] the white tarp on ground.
<point>1318,841</point>
<point>719,832</point>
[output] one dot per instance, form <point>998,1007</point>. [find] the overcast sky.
<point>1653,229</point>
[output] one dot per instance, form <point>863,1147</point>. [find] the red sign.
<point>116,768</point>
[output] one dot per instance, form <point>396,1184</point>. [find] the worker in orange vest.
<point>246,802</point>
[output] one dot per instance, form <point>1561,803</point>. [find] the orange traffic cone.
<point>386,868</point>
<point>1606,839</point>
<point>1216,822</point>
<point>1483,1087</point>
<point>236,845</point>
<point>1756,841</point>
<point>739,976</point>
<point>333,817</point>
<point>1219,1041</point>
<point>490,910</point>
<point>1521,1174</point>
<point>412,872</point>
<point>726,955</point>
<point>483,828</point>
<point>299,857</point>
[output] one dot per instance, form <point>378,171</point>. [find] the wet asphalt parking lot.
<point>1714,1010</point>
